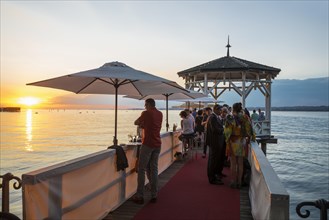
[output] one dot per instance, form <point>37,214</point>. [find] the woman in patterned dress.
<point>238,131</point>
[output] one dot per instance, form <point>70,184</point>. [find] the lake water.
<point>33,139</point>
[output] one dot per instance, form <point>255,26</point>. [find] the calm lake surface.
<point>34,139</point>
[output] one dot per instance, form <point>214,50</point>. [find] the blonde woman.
<point>238,131</point>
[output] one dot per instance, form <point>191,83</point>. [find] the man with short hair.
<point>151,122</point>
<point>215,141</point>
<point>254,115</point>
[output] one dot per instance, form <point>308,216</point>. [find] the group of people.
<point>257,117</point>
<point>226,133</point>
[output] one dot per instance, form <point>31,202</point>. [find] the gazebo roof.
<point>230,68</point>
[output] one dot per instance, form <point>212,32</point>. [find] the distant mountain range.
<point>289,93</point>
<point>308,92</point>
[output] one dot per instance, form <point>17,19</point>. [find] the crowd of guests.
<point>226,133</point>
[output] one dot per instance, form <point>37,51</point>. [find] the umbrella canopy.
<point>112,78</point>
<point>169,96</point>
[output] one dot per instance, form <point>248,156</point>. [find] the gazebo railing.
<point>262,128</point>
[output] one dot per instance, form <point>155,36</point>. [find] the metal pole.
<point>167,124</point>
<point>115,140</point>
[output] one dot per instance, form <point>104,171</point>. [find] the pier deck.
<point>205,207</point>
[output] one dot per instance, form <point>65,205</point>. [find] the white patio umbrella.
<point>112,78</point>
<point>169,96</point>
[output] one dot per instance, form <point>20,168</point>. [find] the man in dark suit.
<point>215,140</point>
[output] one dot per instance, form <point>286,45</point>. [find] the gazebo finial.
<point>228,46</point>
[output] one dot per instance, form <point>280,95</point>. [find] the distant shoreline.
<point>303,108</point>
<point>282,108</point>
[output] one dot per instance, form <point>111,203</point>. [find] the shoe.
<point>154,200</point>
<point>138,200</point>
<point>217,182</point>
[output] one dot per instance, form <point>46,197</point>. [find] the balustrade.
<point>321,204</point>
<point>5,184</point>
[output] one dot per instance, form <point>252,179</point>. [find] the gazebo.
<point>231,73</point>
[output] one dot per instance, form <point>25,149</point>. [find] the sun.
<point>29,101</point>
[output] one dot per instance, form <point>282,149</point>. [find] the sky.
<point>46,39</point>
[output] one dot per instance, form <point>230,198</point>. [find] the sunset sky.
<point>46,39</point>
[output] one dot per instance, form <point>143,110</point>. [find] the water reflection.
<point>28,126</point>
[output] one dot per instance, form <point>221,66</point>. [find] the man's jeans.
<point>148,162</point>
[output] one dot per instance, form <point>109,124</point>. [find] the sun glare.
<point>29,101</point>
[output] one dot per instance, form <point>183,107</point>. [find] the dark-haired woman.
<point>187,125</point>
<point>238,131</point>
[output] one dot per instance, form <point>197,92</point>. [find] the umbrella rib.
<point>113,83</point>
<point>126,81</point>
<point>86,86</point>
<point>136,87</point>
<point>97,78</point>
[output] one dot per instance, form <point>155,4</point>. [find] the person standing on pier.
<point>254,115</point>
<point>215,141</point>
<point>238,131</point>
<point>261,116</point>
<point>187,126</point>
<point>151,122</point>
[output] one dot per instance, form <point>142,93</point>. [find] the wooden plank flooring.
<point>129,209</point>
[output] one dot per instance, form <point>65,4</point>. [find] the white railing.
<point>268,197</point>
<point>88,187</point>
<point>262,128</point>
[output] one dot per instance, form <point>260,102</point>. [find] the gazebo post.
<point>205,84</point>
<point>268,101</point>
<point>243,96</point>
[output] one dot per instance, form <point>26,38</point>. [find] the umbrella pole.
<point>167,124</point>
<point>115,140</point>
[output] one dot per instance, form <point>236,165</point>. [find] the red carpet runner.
<point>188,195</point>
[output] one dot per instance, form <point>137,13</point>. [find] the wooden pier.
<point>129,209</point>
<point>185,192</point>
